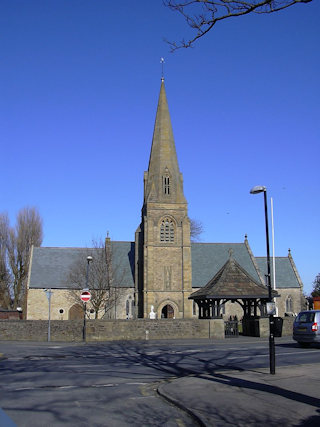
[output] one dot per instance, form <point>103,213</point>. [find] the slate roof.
<point>50,266</point>
<point>208,258</point>
<point>232,281</point>
<point>285,275</point>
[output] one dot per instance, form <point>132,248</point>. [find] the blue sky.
<point>79,84</point>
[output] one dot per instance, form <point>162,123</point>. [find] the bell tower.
<point>163,248</point>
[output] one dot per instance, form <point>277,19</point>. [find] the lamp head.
<point>258,189</point>
<point>89,258</point>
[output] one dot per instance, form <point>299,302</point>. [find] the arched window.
<point>289,306</point>
<point>167,230</point>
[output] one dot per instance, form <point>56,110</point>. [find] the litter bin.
<point>251,326</point>
<point>277,326</point>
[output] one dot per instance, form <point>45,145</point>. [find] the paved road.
<point>115,384</point>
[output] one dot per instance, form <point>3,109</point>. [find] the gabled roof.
<point>50,267</point>
<point>232,281</point>
<point>285,275</point>
<point>208,258</point>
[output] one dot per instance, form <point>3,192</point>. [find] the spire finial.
<point>230,250</point>
<point>162,66</point>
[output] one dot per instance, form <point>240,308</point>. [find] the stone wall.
<point>111,330</point>
<point>62,300</point>
<point>294,294</point>
<point>37,330</point>
<point>263,328</point>
<point>287,326</point>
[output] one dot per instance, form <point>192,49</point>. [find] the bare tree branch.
<point>104,277</point>
<point>15,248</point>
<point>5,276</point>
<point>202,15</point>
<point>196,229</point>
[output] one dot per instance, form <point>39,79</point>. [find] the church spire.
<point>163,181</point>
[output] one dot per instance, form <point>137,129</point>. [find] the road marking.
<point>78,386</point>
<point>137,383</point>
<point>141,397</point>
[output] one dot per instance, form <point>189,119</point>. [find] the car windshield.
<point>307,317</point>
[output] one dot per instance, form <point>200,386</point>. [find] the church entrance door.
<point>167,312</point>
<point>76,312</point>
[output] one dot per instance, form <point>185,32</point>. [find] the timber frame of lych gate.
<point>211,308</point>
<point>232,283</point>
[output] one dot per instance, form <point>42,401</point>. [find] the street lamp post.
<point>255,190</point>
<point>49,294</point>
<point>84,331</point>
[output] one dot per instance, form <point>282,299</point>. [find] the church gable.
<point>285,274</point>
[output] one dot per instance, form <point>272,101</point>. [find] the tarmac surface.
<point>250,397</point>
<point>291,397</point>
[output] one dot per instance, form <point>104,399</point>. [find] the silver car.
<point>306,327</point>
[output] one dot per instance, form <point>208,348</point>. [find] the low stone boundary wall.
<point>37,330</point>
<point>144,329</point>
<point>113,330</point>
<point>263,326</point>
<point>287,326</point>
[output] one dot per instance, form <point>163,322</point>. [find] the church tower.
<point>163,249</point>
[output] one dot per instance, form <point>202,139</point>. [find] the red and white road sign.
<point>85,296</point>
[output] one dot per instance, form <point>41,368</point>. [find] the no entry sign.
<point>85,296</point>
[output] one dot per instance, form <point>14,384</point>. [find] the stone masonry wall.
<point>37,330</point>
<point>111,330</point>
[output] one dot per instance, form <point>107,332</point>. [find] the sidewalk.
<point>291,397</point>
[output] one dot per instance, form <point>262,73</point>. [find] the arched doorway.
<point>76,312</point>
<point>167,312</point>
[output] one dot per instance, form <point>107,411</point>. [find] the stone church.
<point>162,268</point>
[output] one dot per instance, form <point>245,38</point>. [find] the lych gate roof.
<point>232,281</point>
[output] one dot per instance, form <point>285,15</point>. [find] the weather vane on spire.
<point>162,62</point>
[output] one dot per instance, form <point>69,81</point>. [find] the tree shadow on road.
<point>145,361</point>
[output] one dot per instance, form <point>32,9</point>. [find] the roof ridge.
<point>217,243</point>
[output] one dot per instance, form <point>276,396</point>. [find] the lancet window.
<point>289,308</point>
<point>166,184</point>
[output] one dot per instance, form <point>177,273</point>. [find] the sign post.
<point>85,297</point>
